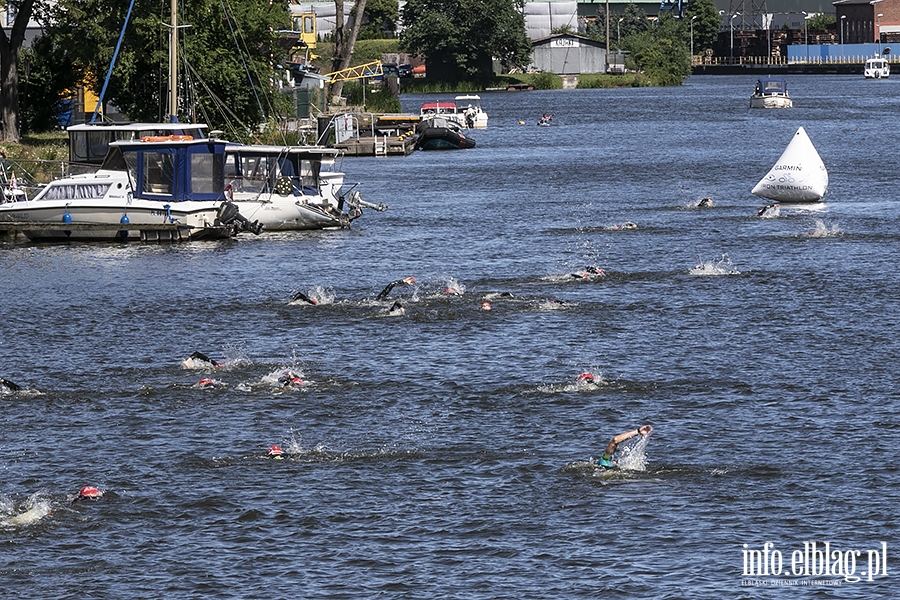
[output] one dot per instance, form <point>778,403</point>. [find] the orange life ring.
<point>167,138</point>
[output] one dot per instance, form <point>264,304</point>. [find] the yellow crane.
<point>370,69</point>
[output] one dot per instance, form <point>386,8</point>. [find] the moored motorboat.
<point>770,92</point>
<point>285,188</point>
<point>799,175</point>
<point>165,187</point>
<point>439,133</point>
<point>469,112</point>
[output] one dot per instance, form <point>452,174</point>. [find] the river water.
<point>447,452</point>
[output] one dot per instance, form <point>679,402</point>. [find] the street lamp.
<point>733,17</point>
<point>806,33</point>
<point>843,17</point>
<point>619,32</point>
<point>692,36</point>
<point>878,25</point>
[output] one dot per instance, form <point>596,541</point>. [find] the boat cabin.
<point>283,170</point>
<point>88,143</point>
<point>173,170</point>
<point>769,86</point>
<point>438,108</point>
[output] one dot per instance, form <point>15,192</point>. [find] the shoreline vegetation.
<point>52,146</point>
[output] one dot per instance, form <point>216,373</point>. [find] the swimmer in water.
<point>275,453</point>
<point>606,459</point>
<point>290,379</point>
<point>486,306</point>
<point>705,203</point>
<point>586,377</point>
<point>198,360</point>
<point>588,273</point>
<point>769,210</point>
<point>207,382</point>
<point>397,309</point>
<point>88,492</point>
<point>387,290</point>
<point>9,386</point>
<point>301,297</point>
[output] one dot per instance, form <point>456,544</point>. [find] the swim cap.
<point>485,306</point>
<point>586,377</point>
<point>275,451</point>
<point>90,491</point>
<point>206,381</point>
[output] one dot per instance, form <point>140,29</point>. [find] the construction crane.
<point>370,69</point>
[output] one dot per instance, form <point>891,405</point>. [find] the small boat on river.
<point>877,68</point>
<point>770,92</point>
<point>799,175</point>
<point>439,133</point>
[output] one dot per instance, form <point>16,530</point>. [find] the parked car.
<point>405,70</point>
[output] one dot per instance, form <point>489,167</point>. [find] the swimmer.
<point>628,225</point>
<point>198,360</point>
<point>290,379</point>
<point>275,453</point>
<point>705,203</point>
<point>397,309</point>
<point>606,459</point>
<point>88,492</point>
<point>207,382</point>
<point>387,290</point>
<point>301,297</point>
<point>8,386</point>
<point>586,377</point>
<point>493,295</point>
<point>486,306</point>
<point>769,210</point>
<point>588,273</point>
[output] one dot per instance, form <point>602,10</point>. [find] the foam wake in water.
<point>36,508</point>
<point>822,230</point>
<point>720,266</point>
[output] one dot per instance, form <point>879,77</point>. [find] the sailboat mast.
<point>173,64</point>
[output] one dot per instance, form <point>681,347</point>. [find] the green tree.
<point>46,78</point>
<point>821,21</point>
<point>459,38</point>
<point>661,53</point>
<point>634,20</point>
<point>227,57</point>
<point>706,25</point>
<point>10,43</point>
<point>380,20</point>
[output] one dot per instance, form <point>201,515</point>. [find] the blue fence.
<point>838,53</point>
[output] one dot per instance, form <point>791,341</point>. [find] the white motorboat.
<point>770,92</point>
<point>165,187</point>
<point>799,175</point>
<point>469,112</point>
<point>285,188</point>
<point>877,68</point>
<point>465,111</point>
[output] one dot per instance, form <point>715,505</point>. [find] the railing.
<point>701,60</point>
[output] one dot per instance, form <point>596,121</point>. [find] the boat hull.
<point>292,213</point>
<point>770,102</point>
<point>200,217</point>
<point>442,138</point>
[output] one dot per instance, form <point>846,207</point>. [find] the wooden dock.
<point>379,145</point>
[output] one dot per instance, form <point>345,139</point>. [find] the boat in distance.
<point>770,92</point>
<point>798,176</point>
<point>877,68</point>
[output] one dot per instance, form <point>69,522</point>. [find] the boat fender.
<point>877,74</point>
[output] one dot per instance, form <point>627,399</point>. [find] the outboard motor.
<point>354,200</point>
<point>230,216</point>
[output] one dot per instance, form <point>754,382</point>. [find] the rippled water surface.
<point>448,452</point>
